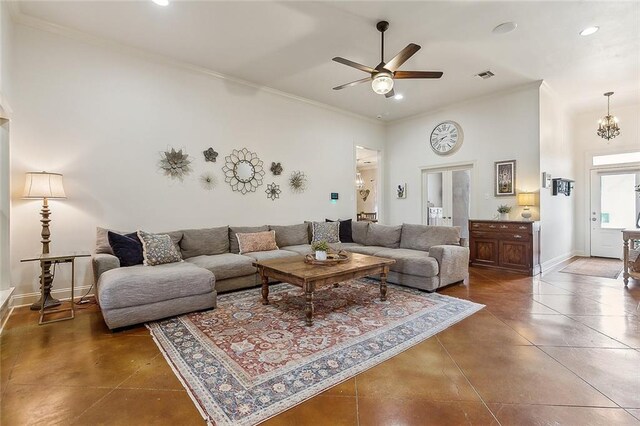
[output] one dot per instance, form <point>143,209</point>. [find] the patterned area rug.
<point>595,267</point>
<point>244,362</point>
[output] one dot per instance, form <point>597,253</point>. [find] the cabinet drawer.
<point>514,236</point>
<point>494,226</point>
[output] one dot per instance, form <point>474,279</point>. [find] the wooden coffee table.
<point>294,270</point>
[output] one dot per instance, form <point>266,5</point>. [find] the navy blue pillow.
<point>127,248</point>
<point>345,230</point>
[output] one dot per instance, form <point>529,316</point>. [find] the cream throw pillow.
<point>257,241</point>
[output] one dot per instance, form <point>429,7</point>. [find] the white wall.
<point>586,144</point>
<point>556,158</point>
<point>501,127</point>
<point>102,118</point>
<point>6,29</point>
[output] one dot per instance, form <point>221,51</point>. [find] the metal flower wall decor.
<point>210,155</point>
<point>175,164</point>
<point>208,181</point>
<point>276,168</point>
<point>243,171</point>
<point>273,191</point>
<point>298,181</point>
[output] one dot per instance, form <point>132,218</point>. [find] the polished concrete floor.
<point>557,349</point>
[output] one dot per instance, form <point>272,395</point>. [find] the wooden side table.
<point>47,259</point>
<point>630,242</point>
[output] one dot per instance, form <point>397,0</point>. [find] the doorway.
<point>615,206</point>
<point>446,195</point>
<point>367,184</point>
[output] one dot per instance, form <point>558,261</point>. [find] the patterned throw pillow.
<point>257,241</point>
<point>158,249</point>
<point>326,231</point>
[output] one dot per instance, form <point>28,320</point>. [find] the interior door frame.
<point>379,180</point>
<point>464,165</point>
<point>588,169</point>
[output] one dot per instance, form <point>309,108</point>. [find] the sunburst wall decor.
<point>298,181</point>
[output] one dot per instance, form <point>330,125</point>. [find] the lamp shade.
<point>382,83</point>
<point>44,185</point>
<point>526,199</point>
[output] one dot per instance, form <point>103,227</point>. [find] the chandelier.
<point>359,181</point>
<point>608,125</point>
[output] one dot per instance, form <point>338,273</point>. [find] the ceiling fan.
<point>382,75</point>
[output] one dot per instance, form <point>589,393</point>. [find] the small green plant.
<point>320,246</point>
<point>503,208</point>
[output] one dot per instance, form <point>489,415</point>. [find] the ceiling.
<point>288,46</point>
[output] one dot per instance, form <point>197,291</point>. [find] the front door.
<point>614,206</point>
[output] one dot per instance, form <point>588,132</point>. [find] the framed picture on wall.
<point>505,181</point>
<point>401,190</point>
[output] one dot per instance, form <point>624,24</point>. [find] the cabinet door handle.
<point>503,226</point>
<point>517,236</point>
<point>475,225</point>
<point>522,227</point>
<point>492,226</point>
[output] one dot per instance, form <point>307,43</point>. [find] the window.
<point>627,157</point>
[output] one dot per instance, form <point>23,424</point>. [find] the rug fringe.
<point>195,401</point>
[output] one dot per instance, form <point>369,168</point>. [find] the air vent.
<point>485,74</point>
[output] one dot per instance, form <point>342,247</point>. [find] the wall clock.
<point>446,138</point>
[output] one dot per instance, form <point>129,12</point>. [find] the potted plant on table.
<point>504,210</point>
<point>321,248</point>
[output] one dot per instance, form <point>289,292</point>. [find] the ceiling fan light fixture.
<point>398,96</point>
<point>382,83</point>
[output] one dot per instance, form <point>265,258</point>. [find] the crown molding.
<point>29,21</point>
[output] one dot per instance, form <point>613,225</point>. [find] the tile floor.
<point>557,349</point>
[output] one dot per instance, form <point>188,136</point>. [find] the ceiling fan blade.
<point>402,57</point>
<point>353,83</point>
<point>353,64</point>
<point>417,74</point>
<point>390,94</point>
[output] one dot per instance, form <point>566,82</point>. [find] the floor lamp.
<point>43,185</point>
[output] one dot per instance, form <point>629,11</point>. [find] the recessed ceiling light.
<point>589,30</point>
<point>161,2</point>
<point>398,96</point>
<point>505,27</point>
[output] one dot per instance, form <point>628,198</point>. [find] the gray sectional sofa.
<point>427,258</point>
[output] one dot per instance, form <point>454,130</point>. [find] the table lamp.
<point>526,199</point>
<point>43,185</point>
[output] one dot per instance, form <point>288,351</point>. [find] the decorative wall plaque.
<point>273,191</point>
<point>243,170</point>
<point>175,164</point>
<point>210,155</point>
<point>276,169</point>
<point>298,181</point>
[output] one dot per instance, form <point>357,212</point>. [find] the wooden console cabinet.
<point>512,246</point>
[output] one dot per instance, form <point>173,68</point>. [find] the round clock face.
<point>446,138</point>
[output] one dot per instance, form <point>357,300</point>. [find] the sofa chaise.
<point>427,258</point>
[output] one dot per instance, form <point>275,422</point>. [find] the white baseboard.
<point>552,263</point>
<point>62,294</point>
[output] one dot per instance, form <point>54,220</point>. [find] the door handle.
<point>593,219</point>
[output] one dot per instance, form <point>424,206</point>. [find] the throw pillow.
<point>257,241</point>
<point>326,231</point>
<point>102,240</point>
<point>346,235</point>
<point>158,249</point>
<point>233,230</point>
<point>359,231</point>
<point>127,248</point>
